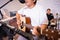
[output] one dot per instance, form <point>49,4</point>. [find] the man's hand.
<point>35,32</point>
<point>43,27</point>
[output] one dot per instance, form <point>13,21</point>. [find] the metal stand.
<point>57,21</point>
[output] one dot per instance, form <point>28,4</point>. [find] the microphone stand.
<point>3,6</point>
<point>6,4</point>
<point>25,34</point>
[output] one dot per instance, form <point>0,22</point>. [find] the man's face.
<point>48,11</point>
<point>29,2</point>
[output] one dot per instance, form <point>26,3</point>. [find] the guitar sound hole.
<point>21,27</point>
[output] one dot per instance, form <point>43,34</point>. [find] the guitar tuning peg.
<point>51,36</point>
<point>46,34</point>
<point>59,33</point>
<point>52,31</point>
<point>46,30</point>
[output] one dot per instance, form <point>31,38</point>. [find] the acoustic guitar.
<point>25,24</point>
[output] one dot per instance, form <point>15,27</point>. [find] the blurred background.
<point>13,6</point>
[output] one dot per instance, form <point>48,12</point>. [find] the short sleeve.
<point>20,11</point>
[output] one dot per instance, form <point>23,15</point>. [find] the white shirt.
<point>37,15</point>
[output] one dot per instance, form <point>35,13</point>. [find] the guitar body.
<point>25,20</point>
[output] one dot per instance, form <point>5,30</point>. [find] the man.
<point>49,16</point>
<point>36,13</point>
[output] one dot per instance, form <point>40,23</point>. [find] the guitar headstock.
<point>52,34</point>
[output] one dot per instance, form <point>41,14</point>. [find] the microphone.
<point>25,34</point>
<point>20,32</point>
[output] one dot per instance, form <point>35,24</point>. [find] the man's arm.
<point>43,26</point>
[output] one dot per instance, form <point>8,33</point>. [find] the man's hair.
<point>49,9</point>
<point>35,2</point>
<point>23,1</point>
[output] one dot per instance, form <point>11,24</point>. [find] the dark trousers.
<point>0,38</point>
